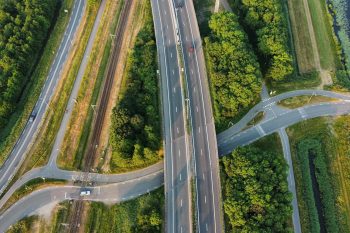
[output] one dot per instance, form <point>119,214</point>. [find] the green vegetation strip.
<point>307,147</point>
<point>144,214</point>
<point>135,130</point>
<point>234,73</point>
<point>15,125</point>
<point>315,137</point>
<point>255,189</point>
<point>24,29</point>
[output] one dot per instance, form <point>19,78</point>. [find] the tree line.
<point>235,75</point>
<point>24,27</point>
<point>267,26</point>
<point>135,129</point>
<point>255,191</point>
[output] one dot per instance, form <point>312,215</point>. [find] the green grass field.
<point>324,34</point>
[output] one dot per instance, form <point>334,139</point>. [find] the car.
<point>32,117</point>
<point>85,193</point>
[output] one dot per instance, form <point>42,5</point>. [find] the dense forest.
<point>24,27</point>
<point>135,130</point>
<point>255,191</point>
<point>268,30</point>
<point>235,75</point>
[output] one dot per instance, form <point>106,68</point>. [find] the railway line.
<point>91,151</point>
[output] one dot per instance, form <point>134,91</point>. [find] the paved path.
<point>48,197</point>
<point>291,182</point>
<point>18,153</point>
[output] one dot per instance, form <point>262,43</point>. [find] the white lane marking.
<point>201,152</point>
<point>175,109</point>
<point>164,12</point>
<point>181,203</point>
<point>197,108</point>
<point>177,130</point>
<point>203,176</point>
<point>194,89</point>
<point>205,198</point>
<point>180,177</point>
<point>174,90</point>
<point>261,130</point>
<point>189,54</point>
<point>171,145</point>
<point>167,26</point>
<point>171,55</point>
<point>179,153</point>
<point>169,41</point>
<point>199,129</point>
<point>206,226</point>
<point>173,72</point>
<point>54,74</point>
<point>191,71</point>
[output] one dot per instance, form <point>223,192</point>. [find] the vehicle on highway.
<point>85,193</point>
<point>32,117</point>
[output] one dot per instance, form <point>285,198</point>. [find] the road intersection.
<point>172,24</point>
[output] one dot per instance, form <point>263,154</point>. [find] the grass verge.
<point>18,120</point>
<point>322,131</point>
<point>300,101</point>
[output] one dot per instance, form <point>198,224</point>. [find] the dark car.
<point>32,117</point>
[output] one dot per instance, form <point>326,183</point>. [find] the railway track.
<point>90,155</point>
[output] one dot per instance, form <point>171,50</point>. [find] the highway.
<point>48,197</point>
<point>206,164</point>
<point>177,160</point>
<point>18,153</point>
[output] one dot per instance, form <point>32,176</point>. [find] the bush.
<point>255,190</point>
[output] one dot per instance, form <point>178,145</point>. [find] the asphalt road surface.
<point>176,164</point>
<point>205,154</point>
<point>112,193</point>
<point>18,153</point>
<point>228,143</point>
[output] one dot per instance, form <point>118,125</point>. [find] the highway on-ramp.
<point>176,163</point>
<point>18,153</point>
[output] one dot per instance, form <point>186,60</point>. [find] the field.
<point>318,136</point>
<point>14,127</point>
<point>301,36</point>
<point>324,35</point>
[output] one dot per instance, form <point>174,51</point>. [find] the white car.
<point>85,193</point>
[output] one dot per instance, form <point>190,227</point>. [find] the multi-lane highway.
<point>27,137</point>
<point>205,154</point>
<point>176,163</point>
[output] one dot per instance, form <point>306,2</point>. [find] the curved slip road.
<point>112,193</point>
<point>27,137</point>
<point>228,143</point>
